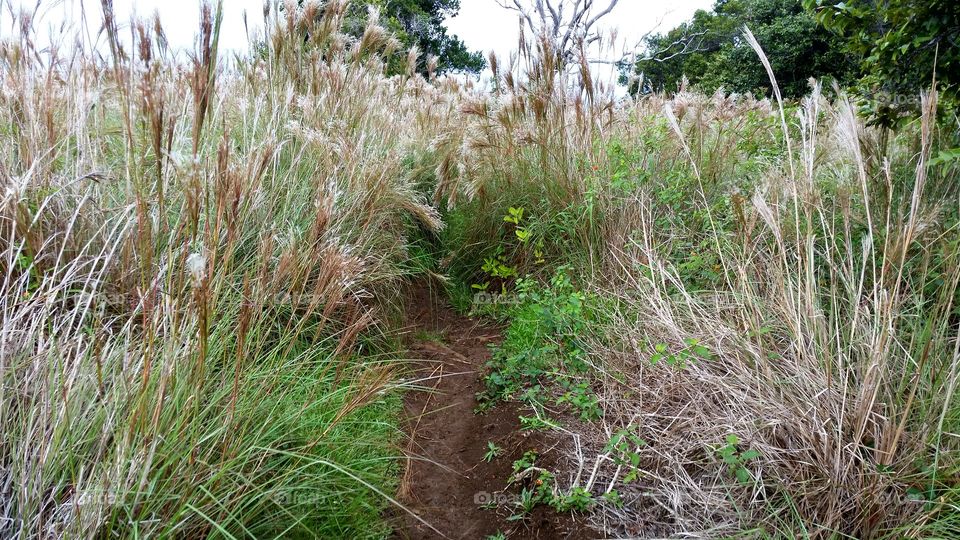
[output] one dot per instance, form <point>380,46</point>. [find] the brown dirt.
<point>446,479</point>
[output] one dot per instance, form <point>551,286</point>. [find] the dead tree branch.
<point>567,23</point>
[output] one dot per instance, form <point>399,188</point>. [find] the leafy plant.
<point>578,499</point>
<point>541,351</point>
<point>737,460</point>
<point>613,497</point>
<point>536,423</point>
<point>543,489</point>
<point>493,452</point>
<point>582,397</point>
<point>690,353</point>
<point>525,462</point>
<point>498,269</point>
<point>514,215</point>
<point>624,446</point>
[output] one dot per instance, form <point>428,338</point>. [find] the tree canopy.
<point>419,23</point>
<point>711,52</point>
<point>900,44</point>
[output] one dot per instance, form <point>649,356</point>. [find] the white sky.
<point>482,24</point>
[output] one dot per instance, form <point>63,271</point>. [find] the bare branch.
<point>554,14</point>
<point>569,24</point>
<point>515,5</point>
<point>605,12</point>
<point>690,44</point>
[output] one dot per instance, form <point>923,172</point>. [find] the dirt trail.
<point>447,479</point>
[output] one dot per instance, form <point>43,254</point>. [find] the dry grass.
<point>829,358</point>
<point>197,257</point>
<point>819,267</point>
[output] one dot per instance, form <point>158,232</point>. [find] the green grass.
<point>205,301</point>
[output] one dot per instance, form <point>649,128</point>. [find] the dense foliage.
<point>710,52</point>
<point>901,44</point>
<point>420,24</point>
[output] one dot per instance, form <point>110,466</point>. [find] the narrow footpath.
<point>447,482</point>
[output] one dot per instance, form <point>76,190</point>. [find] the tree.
<point>710,52</point>
<point>690,50</point>
<point>418,23</point>
<point>900,45</point>
<point>421,23</point>
<point>568,24</point>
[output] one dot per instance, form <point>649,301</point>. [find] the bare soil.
<point>447,481</point>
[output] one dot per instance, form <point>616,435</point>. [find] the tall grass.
<point>834,341</point>
<point>202,260</point>
<point>815,262</point>
<point>198,260</point>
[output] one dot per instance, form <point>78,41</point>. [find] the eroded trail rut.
<point>447,480</point>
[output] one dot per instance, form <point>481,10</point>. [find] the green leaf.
<point>613,442</point>
<point>637,440</point>
<point>945,156</point>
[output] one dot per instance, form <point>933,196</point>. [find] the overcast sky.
<point>482,24</point>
